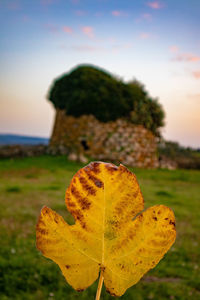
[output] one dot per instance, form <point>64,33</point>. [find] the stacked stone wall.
<point>12,151</point>
<point>118,141</point>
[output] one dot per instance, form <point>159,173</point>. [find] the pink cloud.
<point>98,14</point>
<point>174,49</point>
<point>196,74</point>
<point>87,48</point>
<point>144,35</point>
<point>13,5</point>
<point>75,1</point>
<point>80,13</point>
<point>147,16</point>
<point>98,48</point>
<point>118,13</point>
<point>67,29</point>
<point>26,19</point>
<point>144,17</point>
<point>88,30</point>
<point>52,28</point>
<point>187,57</point>
<point>116,48</point>
<point>182,56</point>
<point>48,2</point>
<point>155,5</point>
<point>83,48</point>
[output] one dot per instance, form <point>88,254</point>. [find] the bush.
<point>90,90</point>
<point>185,157</point>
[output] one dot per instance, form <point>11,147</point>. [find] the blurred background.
<point>154,42</point>
<point>153,45</point>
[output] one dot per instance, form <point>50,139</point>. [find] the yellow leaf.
<point>111,233</point>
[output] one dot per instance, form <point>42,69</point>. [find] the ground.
<point>28,184</point>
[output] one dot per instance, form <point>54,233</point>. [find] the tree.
<point>90,90</point>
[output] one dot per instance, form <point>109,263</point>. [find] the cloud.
<point>147,16</point>
<point>75,1</point>
<point>80,13</point>
<point>83,48</point>
<point>196,74</point>
<point>48,2</point>
<point>144,17</point>
<point>25,18</point>
<point>13,5</point>
<point>98,48</point>
<point>51,27</point>
<point>121,47</point>
<point>186,57</point>
<point>174,49</point>
<point>67,29</point>
<point>145,35</point>
<point>155,5</point>
<point>183,56</point>
<point>118,13</point>
<point>99,14</point>
<point>87,48</point>
<point>88,30</point>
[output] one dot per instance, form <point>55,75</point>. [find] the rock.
<point>83,159</point>
<point>73,156</point>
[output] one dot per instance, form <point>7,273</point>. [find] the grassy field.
<point>28,184</point>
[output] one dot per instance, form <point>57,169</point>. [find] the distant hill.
<point>13,139</point>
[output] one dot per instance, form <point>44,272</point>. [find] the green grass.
<point>28,184</point>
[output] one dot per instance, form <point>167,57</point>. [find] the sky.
<point>155,42</point>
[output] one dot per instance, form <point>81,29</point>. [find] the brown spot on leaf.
<point>95,180</point>
<point>125,170</point>
<point>85,204</point>
<point>41,222</point>
<point>172,223</point>
<point>67,266</point>
<point>166,218</point>
<point>77,214</point>
<point>155,218</point>
<point>136,193</point>
<point>70,203</point>
<point>111,168</point>
<point>83,201</point>
<point>140,217</point>
<point>111,293</point>
<point>121,206</point>
<point>87,187</point>
<point>45,210</point>
<point>75,192</point>
<point>56,219</point>
<point>131,234</point>
<point>42,230</point>
<point>80,290</point>
<point>94,166</point>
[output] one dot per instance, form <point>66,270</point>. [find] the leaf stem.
<point>99,286</point>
